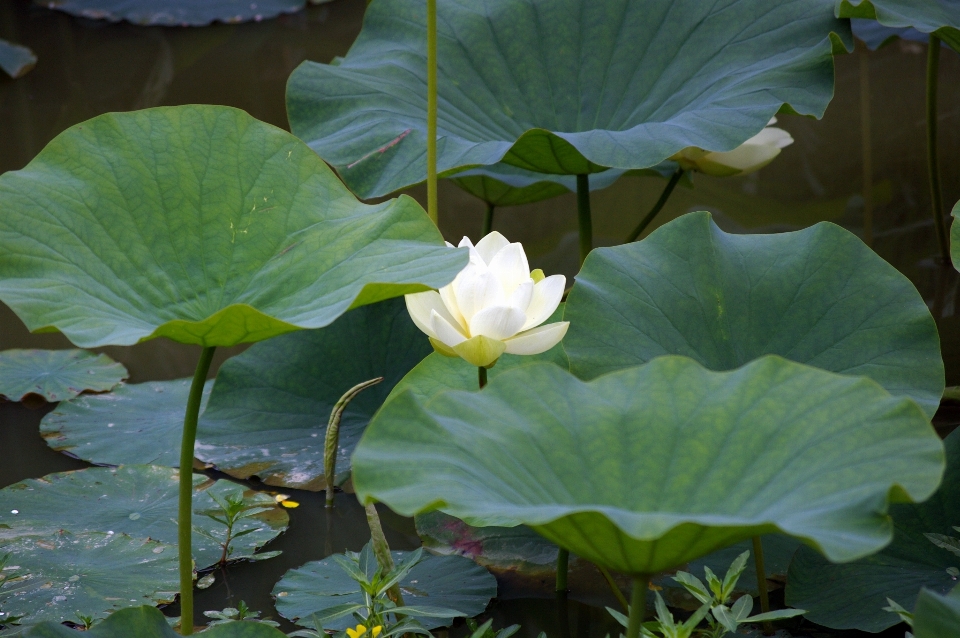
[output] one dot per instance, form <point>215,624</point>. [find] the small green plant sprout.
<point>486,630</point>
<point>7,575</point>
<point>241,613</point>
<point>86,622</point>
<point>377,613</point>
<point>231,510</point>
<point>906,616</point>
<point>665,626</point>
<point>716,596</point>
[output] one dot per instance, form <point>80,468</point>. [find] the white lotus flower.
<point>750,156</point>
<point>495,305</point>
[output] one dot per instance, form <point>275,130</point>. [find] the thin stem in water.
<point>762,582</point>
<point>488,220</point>
<point>638,605</point>
<point>432,205</point>
<point>563,558</point>
<point>381,550</point>
<point>185,509</point>
<point>933,160</point>
<point>331,441</point>
<point>614,588</point>
<point>583,216</point>
<point>664,196</point>
<point>482,376</point>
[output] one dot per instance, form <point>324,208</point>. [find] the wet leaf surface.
<point>56,375</point>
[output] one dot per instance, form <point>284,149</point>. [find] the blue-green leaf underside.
<point>570,88</point>
<point>939,17</point>
<point>203,225</point>
<point>176,13</point>
<point>136,424</point>
<point>817,296</point>
<point>268,413</point>
<point>852,596</point>
<point>56,375</point>
<point>772,446</point>
<point>449,582</point>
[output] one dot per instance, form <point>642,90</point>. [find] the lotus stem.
<point>583,216</point>
<point>638,605</point>
<point>488,221</point>
<point>382,551</point>
<point>185,509</point>
<point>762,582</point>
<point>432,206</point>
<point>563,559</point>
<point>482,375</point>
<point>664,196</point>
<point>614,588</point>
<point>933,161</point>
<point>331,441</point>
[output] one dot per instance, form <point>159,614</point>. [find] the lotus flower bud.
<point>750,156</point>
<point>494,305</point>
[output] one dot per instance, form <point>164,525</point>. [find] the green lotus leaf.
<point>817,296</point>
<point>854,595</point>
<point>148,622</point>
<point>578,88</point>
<point>942,17</point>
<point>201,224</point>
<point>506,185</point>
<point>16,60</point>
<point>936,616</point>
<point>56,375</point>
<point>176,13</point>
<point>137,500</point>
<point>648,468</point>
<point>136,424</point>
<point>450,582</point>
<point>268,413</point>
<point>94,573</point>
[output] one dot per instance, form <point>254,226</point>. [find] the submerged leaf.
<point>56,375</point>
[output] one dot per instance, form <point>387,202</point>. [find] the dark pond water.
<point>86,68</point>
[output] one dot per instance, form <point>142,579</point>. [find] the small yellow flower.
<point>376,630</point>
<point>356,633</point>
<point>290,504</point>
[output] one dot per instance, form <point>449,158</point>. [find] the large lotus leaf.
<point>268,414</point>
<point>572,88</point>
<point>854,595</point>
<point>937,616</point>
<point>176,13</point>
<point>56,375</point>
<point>137,500</point>
<point>648,468</point>
<point>877,36</point>
<point>940,17</point>
<point>16,60</point>
<point>93,573</point>
<point>135,424</point>
<point>817,296</point>
<point>201,224</point>
<point>450,582</point>
<point>148,622</point>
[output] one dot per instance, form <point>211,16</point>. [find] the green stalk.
<point>185,510</point>
<point>488,221</point>
<point>762,582</point>
<point>563,558</point>
<point>933,161</point>
<point>331,441</point>
<point>432,206</point>
<point>664,196</point>
<point>583,216</point>
<point>638,605</point>
<point>614,588</point>
<point>482,376</point>
<point>382,551</point>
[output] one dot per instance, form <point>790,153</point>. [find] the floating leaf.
<point>148,622</point>
<point>201,224</point>
<point>94,573</point>
<point>854,595</point>
<point>817,296</point>
<point>449,582</point>
<point>16,60</point>
<point>268,414</point>
<point>936,616</point>
<point>648,468</point>
<point>176,13</point>
<point>134,424</point>
<point>137,500</point>
<point>516,84</point>
<point>940,18</point>
<point>56,375</point>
